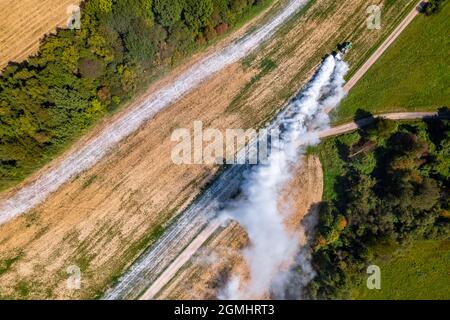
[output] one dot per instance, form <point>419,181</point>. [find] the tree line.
<point>394,189</point>
<point>79,75</point>
<point>432,7</point>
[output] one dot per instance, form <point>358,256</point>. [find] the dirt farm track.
<point>24,22</point>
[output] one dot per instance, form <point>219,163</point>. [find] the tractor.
<point>345,47</point>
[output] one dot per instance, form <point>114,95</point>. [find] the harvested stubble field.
<point>103,219</point>
<point>23,24</point>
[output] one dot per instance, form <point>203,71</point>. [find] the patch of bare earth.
<point>102,220</point>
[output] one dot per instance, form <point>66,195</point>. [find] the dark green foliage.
<point>433,6</point>
<point>197,13</point>
<point>380,129</point>
<point>168,12</point>
<point>142,41</point>
<point>78,75</point>
<point>400,196</point>
<point>180,41</point>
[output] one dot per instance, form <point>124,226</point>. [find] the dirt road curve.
<point>379,52</point>
<point>392,116</point>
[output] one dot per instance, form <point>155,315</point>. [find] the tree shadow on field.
<point>343,150</point>
<point>363,118</point>
<point>437,127</point>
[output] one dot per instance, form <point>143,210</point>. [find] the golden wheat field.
<point>24,22</point>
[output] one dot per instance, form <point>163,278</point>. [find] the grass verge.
<point>421,271</point>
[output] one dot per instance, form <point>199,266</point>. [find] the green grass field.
<point>413,74</point>
<point>422,271</point>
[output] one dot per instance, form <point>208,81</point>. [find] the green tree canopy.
<point>197,13</point>
<point>168,12</point>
